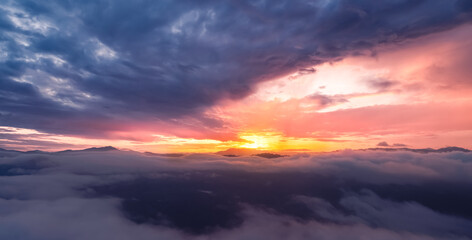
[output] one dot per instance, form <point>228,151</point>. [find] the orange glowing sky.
<point>416,93</point>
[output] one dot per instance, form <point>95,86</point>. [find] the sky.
<point>236,119</point>
<point>206,76</point>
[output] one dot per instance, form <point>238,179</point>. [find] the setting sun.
<point>256,141</point>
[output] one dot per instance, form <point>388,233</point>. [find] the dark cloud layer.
<point>385,144</point>
<point>112,194</point>
<point>76,63</point>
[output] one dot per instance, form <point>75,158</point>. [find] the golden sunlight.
<point>256,141</point>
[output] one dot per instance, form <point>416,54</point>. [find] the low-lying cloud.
<point>114,194</point>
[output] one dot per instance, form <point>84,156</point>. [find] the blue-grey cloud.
<point>69,63</point>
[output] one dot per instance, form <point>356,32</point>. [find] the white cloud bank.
<point>51,196</point>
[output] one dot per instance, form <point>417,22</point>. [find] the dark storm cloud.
<point>114,194</point>
<point>114,60</point>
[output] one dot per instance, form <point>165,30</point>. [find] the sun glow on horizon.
<point>257,142</point>
<point>276,141</point>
